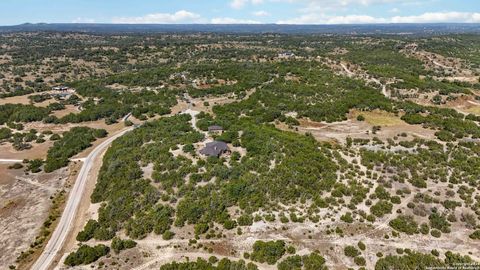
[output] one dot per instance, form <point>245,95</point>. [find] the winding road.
<point>66,221</point>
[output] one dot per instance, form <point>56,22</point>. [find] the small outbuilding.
<point>215,129</point>
<point>60,88</point>
<point>215,149</point>
<point>286,54</point>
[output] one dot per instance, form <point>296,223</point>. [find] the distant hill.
<point>411,29</point>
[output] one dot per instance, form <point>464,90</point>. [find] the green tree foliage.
<point>404,224</point>
<point>119,244</point>
<point>88,231</point>
<point>419,261</point>
<point>201,264</point>
<point>34,165</point>
<point>21,113</point>
<point>475,235</point>
<point>131,202</point>
<point>347,217</point>
<point>307,262</point>
<point>72,142</point>
<point>5,133</point>
<point>86,255</point>
<point>439,222</point>
<point>381,208</point>
<point>351,251</point>
<point>268,252</point>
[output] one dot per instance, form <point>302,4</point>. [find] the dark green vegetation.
<point>268,252</point>
<point>119,244</point>
<point>21,113</point>
<point>475,235</point>
<point>405,224</point>
<point>307,262</point>
<point>419,261</point>
<point>86,255</point>
<point>310,96</point>
<point>121,184</point>
<point>71,143</point>
<point>201,264</point>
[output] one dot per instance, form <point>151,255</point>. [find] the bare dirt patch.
<point>390,126</point>
<point>37,151</point>
<point>24,205</point>
<point>68,109</point>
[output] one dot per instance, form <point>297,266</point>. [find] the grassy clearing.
<point>474,110</point>
<point>378,117</point>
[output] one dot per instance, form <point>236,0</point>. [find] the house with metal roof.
<point>215,149</point>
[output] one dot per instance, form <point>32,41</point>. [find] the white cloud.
<point>238,4</point>
<point>354,19</point>
<point>181,16</point>
<point>314,18</point>
<point>429,17</point>
<point>434,17</point>
<point>261,13</point>
<point>334,5</point>
<point>232,21</point>
<point>83,20</point>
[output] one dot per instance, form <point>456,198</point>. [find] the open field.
<point>25,206</point>
<point>379,118</point>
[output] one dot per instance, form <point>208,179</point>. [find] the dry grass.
<point>474,110</point>
<point>378,118</point>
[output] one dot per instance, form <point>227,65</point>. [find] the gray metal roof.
<point>215,128</point>
<point>214,149</point>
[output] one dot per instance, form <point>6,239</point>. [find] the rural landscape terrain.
<point>236,150</point>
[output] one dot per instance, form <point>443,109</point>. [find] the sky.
<point>239,11</point>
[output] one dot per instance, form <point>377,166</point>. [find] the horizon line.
<point>243,24</point>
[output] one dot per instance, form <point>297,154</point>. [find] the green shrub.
<point>88,232</point>
<point>381,208</point>
<point>347,217</point>
<point>168,235</point>
<point>409,261</point>
<point>351,251</point>
<point>439,222</point>
<point>307,262</point>
<point>404,224</point>
<point>269,252</point>
<point>119,244</point>
<point>436,233</point>
<point>475,235</point>
<point>201,264</point>
<point>86,255</point>
<point>361,246</point>
<point>359,261</point>
<point>72,143</point>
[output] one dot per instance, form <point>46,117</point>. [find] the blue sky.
<point>239,11</point>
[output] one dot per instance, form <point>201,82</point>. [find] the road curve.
<point>61,231</point>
